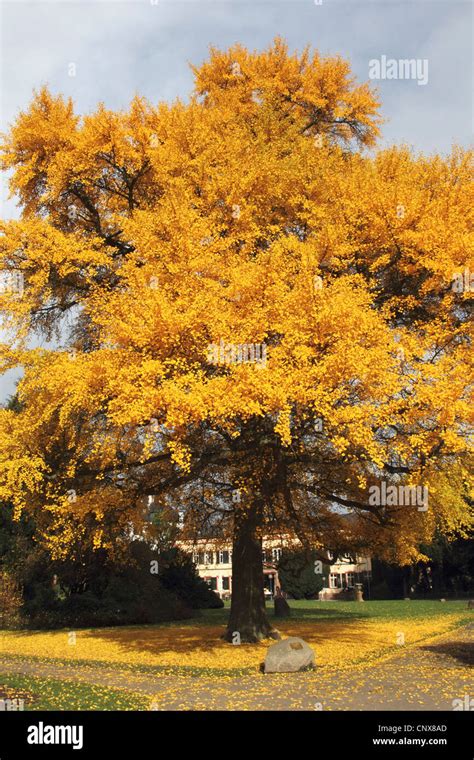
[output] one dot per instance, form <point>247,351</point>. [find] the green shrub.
<point>296,571</point>
<point>178,574</point>
<point>124,593</point>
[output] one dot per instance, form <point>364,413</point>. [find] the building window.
<point>264,556</point>
<point>200,558</point>
<point>350,580</point>
<point>225,583</point>
<point>212,583</point>
<point>276,555</point>
<point>209,558</point>
<point>224,557</point>
<point>334,580</point>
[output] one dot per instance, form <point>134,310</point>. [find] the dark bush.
<point>122,593</point>
<point>296,571</point>
<point>178,574</point>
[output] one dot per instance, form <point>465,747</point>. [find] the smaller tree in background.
<point>10,600</point>
<point>450,565</point>
<point>178,574</point>
<point>301,573</point>
<point>447,568</point>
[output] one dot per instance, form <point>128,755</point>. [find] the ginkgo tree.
<point>248,314</point>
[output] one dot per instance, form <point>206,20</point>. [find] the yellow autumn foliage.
<point>251,217</point>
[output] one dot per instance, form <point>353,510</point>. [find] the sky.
<point>119,48</point>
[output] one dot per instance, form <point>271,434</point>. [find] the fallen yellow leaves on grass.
<point>337,645</point>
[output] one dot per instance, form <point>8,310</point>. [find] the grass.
<point>304,609</point>
<point>191,671</point>
<point>381,610</point>
<point>57,694</point>
<point>311,610</point>
<point>342,634</point>
<point>345,636</point>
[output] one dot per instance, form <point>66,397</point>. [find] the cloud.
<point>120,48</point>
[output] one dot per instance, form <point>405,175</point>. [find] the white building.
<point>344,574</point>
<point>213,560</point>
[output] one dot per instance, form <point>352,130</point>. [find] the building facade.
<point>213,561</point>
<point>344,574</point>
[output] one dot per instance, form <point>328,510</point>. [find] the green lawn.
<point>55,694</point>
<point>303,609</point>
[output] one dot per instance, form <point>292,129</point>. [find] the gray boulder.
<point>289,656</point>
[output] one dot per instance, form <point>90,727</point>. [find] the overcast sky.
<point>141,46</point>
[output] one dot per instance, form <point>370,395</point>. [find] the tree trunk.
<point>248,620</point>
